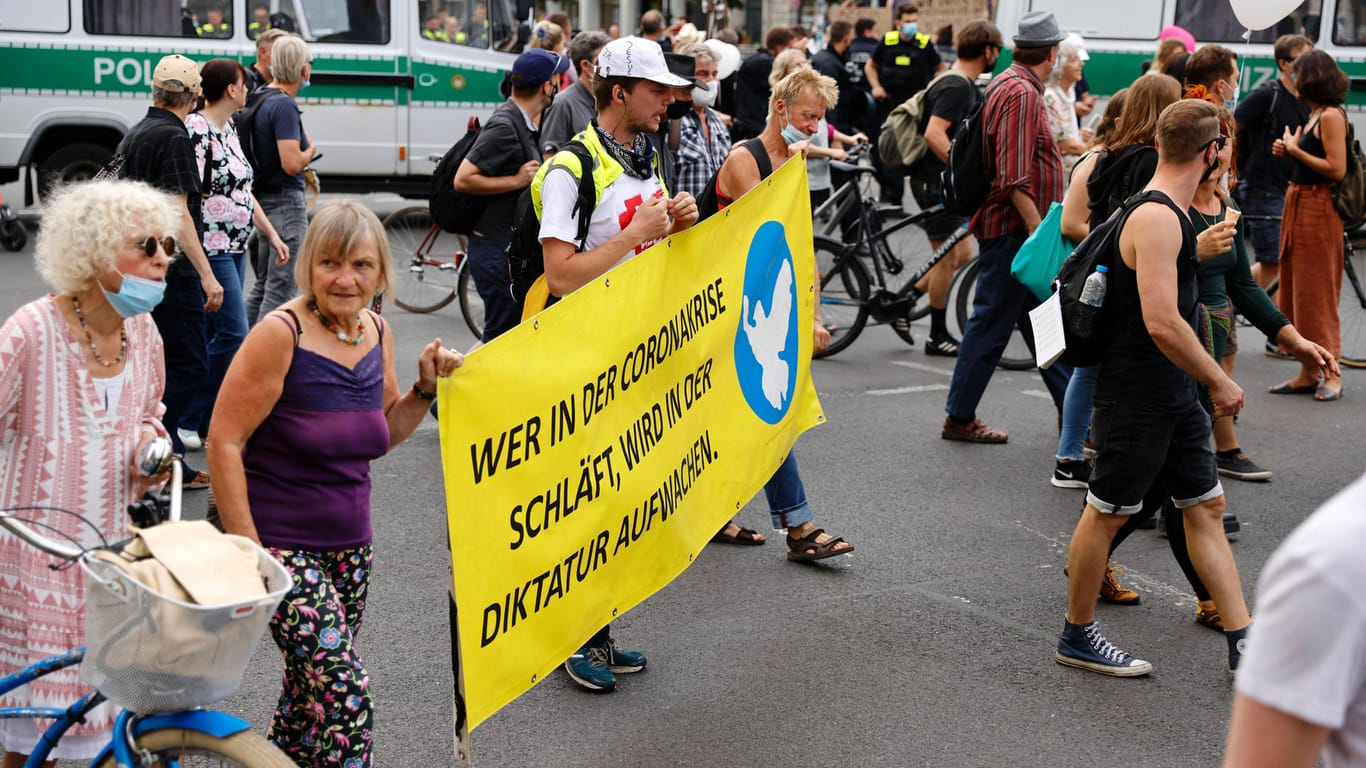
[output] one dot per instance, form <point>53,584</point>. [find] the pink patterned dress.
<point>58,447</point>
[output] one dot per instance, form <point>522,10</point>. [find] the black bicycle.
<point>863,279</point>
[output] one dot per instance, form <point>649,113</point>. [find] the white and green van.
<point>75,75</point>
<point>1122,34</point>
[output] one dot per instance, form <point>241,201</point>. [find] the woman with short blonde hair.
<point>315,400</point>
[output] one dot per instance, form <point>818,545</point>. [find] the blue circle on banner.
<point>766,342</point>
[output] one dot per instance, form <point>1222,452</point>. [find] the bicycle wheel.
<point>471,305</point>
<point>844,294</point>
<point>425,258</point>
<point>1016,356</point>
<point>1352,309</point>
<point>180,748</point>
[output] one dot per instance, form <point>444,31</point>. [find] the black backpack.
<point>244,120</point>
<point>708,203</point>
<point>526,261</point>
<point>966,178</point>
<point>1088,330</point>
<point>455,211</point>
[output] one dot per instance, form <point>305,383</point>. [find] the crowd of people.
<point>149,321</point>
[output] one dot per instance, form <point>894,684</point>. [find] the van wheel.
<point>71,163</point>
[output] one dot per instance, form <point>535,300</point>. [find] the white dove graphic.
<point>767,334</point>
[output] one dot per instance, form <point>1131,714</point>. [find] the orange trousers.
<point>1311,264</point>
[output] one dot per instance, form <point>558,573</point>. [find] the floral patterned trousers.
<point>324,717</point>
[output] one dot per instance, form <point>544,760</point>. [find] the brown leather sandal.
<point>975,431</point>
<point>807,549</point>
<point>743,535</point>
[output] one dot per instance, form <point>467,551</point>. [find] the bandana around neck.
<point>637,161</point>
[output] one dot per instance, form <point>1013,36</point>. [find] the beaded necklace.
<point>94,350</point>
<point>332,327</point>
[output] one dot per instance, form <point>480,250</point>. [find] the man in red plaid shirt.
<point>1028,178</point>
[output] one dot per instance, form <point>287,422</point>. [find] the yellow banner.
<point>592,452</point>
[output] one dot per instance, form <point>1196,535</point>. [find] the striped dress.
<point>59,448</point>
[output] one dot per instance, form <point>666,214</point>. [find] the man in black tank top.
<point>1148,422</point>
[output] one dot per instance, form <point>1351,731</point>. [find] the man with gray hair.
<point>158,151</point>
<point>282,151</point>
<point>573,108</point>
<point>258,74</point>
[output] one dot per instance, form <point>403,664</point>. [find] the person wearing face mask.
<point>633,89</point>
<point>1262,118</point>
<point>703,140</point>
<point>500,164</point>
<point>573,107</point>
<point>900,67</point>
<point>795,109</point>
<point>160,152</point>
<point>1212,75</point>
<point>948,101</point>
<point>80,394</point>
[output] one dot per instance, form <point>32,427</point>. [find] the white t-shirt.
<point>1307,647</point>
<point>559,191</point>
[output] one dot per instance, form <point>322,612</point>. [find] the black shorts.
<point>940,226</point>
<point>1136,443</point>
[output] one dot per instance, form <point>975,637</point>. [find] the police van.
<point>1120,36</point>
<point>393,82</point>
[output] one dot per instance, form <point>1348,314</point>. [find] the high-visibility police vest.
<point>220,31</point>
<point>898,67</point>
<point>255,29</point>
<point>436,34</point>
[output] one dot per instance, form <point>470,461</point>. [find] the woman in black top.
<point>1311,232</point>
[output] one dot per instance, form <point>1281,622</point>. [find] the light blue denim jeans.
<point>1076,413</point>
<point>289,215</point>
<point>227,328</point>
<point>786,495</point>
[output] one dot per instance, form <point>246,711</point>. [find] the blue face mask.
<point>136,296</point>
<point>792,134</point>
<point>304,84</point>
<point>909,30</point>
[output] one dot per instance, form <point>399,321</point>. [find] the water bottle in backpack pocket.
<point>1092,298</point>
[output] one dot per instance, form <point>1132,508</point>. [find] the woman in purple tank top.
<point>316,399</point>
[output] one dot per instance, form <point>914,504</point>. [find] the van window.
<point>343,21</point>
<point>1349,28</point>
<point>158,18</point>
<point>1212,21</point>
<point>37,17</point>
<point>472,23</point>
<point>1089,18</point>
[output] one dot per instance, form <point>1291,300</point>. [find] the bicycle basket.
<point>151,652</point>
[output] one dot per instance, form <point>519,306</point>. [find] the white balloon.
<point>728,58</point>
<point>1260,14</point>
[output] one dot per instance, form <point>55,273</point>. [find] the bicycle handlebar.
<point>149,509</point>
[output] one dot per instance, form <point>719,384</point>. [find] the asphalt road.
<point>930,645</point>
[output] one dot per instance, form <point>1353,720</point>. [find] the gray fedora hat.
<point>1038,29</point>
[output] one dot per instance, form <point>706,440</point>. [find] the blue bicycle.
<point>126,625</point>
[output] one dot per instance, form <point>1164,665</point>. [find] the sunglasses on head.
<point>149,245</point>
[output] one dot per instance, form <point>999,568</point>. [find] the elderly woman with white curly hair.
<point>81,379</point>
<point>1060,99</point>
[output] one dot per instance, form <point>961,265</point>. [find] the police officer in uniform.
<point>900,67</point>
<point>215,27</point>
<point>260,23</point>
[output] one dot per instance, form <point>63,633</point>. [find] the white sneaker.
<point>191,439</point>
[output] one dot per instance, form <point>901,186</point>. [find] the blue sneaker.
<point>624,662</point>
<point>1084,647</point>
<point>590,667</point>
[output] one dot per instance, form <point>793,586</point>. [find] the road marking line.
<point>908,390</point>
<point>1152,585</point>
<point>1036,393</point>
<point>922,367</point>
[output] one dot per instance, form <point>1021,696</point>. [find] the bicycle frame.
<point>128,724</point>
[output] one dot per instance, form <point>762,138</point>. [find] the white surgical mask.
<point>705,98</point>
